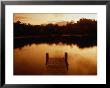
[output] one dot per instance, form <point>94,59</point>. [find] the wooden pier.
<point>57,65</point>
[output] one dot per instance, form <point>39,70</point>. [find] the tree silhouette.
<point>83,27</point>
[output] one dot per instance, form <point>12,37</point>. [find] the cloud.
<point>16,18</point>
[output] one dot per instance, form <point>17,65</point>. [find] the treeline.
<point>82,27</point>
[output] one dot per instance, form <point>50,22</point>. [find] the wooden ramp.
<point>56,65</point>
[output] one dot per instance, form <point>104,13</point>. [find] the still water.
<point>31,59</point>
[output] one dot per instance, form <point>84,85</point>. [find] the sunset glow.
<point>56,44</point>
<point>40,18</point>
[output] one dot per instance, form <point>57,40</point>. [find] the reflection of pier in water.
<point>56,65</point>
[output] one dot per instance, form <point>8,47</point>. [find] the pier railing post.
<point>47,57</point>
<point>66,57</point>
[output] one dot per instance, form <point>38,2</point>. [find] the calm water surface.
<point>30,59</point>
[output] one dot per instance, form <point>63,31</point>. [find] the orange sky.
<point>45,18</point>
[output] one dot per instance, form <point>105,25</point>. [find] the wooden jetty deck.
<point>56,65</point>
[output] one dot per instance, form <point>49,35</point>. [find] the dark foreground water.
<point>30,57</point>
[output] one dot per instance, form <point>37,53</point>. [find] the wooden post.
<point>66,56</point>
<point>47,57</point>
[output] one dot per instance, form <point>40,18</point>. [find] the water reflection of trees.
<point>82,43</point>
<point>83,33</point>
